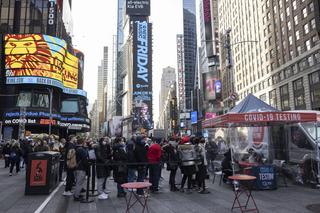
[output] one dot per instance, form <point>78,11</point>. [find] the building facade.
<point>167,79</point>
<point>42,76</point>
<point>190,48</point>
<point>275,51</point>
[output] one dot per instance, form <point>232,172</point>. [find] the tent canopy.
<point>254,112</point>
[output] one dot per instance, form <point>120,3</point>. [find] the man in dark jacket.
<point>131,158</point>
<point>70,179</point>
<point>140,153</point>
<point>103,156</point>
<point>82,166</point>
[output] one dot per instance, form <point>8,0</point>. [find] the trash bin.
<point>42,173</point>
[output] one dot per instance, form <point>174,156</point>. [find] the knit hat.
<point>185,139</point>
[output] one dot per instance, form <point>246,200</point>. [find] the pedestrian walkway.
<point>291,199</point>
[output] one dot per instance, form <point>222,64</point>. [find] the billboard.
<point>212,86</point>
<point>52,16</point>
<point>142,74</point>
<point>40,59</point>
<point>138,7</point>
<point>194,117</point>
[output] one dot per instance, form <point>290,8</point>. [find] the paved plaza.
<point>291,199</point>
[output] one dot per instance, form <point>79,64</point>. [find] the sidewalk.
<point>291,199</point>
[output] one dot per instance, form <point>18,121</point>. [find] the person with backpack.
<point>81,166</point>
<point>103,157</point>
<point>15,155</point>
<point>69,154</point>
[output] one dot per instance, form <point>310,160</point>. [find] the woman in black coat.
<point>6,155</point>
<point>15,155</point>
<point>120,170</point>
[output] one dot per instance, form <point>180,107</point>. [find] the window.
<point>40,100</point>
<point>308,45</point>
<point>298,93</point>
<point>24,99</point>
<point>299,139</point>
<point>306,28</point>
<point>70,106</point>
<point>289,25</point>
<point>288,73</point>
<point>297,35</point>
<point>296,20</point>
<point>311,7</point>
<point>315,40</point>
<point>290,40</point>
<point>294,4</point>
<point>268,16</point>
<point>263,97</point>
<point>291,54</point>
<point>314,82</point>
<point>314,78</point>
<point>284,96</point>
<point>281,16</point>
<point>310,60</point>
<point>313,24</point>
<point>304,12</point>
<point>273,98</point>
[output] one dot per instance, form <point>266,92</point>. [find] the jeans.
<point>15,163</point>
<point>7,162</point>
<point>132,175</point>
<point>154,176</point>
<point>80,179</point>
<point>184,178</point>
<point>141,176</point>
<point>172,179</point>
<point>69,180</point>
<point>100,186</point>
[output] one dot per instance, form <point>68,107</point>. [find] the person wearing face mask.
<point>103,155</point>
<point>171,157</point>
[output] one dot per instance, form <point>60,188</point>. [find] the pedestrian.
<point>61,150</point>
<point>212,151</point>
<point>120,171</point>
<point>171,157</point>
<point>6,154</point>
<point>154,156</point>
<point>103,156</point>
<point>69,152</point>
<point>15,155</point>
<point>132,169</point>
<point>187,157</point>
<point>80,169</point>
<point>41,146</point>
<point>140,153</point>
<point>202,165</point>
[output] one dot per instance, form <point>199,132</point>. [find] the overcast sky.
<point>94,24</point>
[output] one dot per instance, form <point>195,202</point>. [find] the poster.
<point>38,173</point>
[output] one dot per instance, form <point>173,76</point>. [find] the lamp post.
<point>50,109</point>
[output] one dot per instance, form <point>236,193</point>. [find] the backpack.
<point>71,159</point>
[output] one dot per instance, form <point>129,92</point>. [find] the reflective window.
<point>70,106</point>
<point>24,99</point>
<point>40,100</point>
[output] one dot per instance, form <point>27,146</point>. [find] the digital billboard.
<point>40,59</point>
<point>194,117</point>
<point>212,86</point>
<point>208,27</point>
<point>142,74</point>
<point>138,7</point>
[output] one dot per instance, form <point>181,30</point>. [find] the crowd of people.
<point>126,160</point>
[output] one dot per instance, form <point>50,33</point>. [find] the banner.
<point>142,74</point>
<point>52,16</point>
<point>208,27</point>
<point>36,55</point>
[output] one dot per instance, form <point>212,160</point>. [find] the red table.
<point>245,181</point>
<point>134,186</point>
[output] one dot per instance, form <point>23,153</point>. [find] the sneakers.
<point>103,196</point>
<point>67,193</point>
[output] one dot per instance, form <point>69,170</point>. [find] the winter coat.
<point>212,150</point>
<point>15,153</point>
<point>6,150</point>
<point>154,153</point>
<point>67,147</point>
<point>187,154</point>
<point>103,158</point>
<point>131,156</point>
<point>171,156</point>
<point>82,158</point>
<point>120,172</point>
<point>140,153</point>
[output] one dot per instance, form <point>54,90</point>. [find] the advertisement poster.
<point>208,27</point>
<point>115,126</point>
<point>142,74</point>
<point>38,173</point>
<point>138,7</point>
<point>258,139</point>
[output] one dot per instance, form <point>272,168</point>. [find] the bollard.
<point>93,180</point>
<point>87,200</point>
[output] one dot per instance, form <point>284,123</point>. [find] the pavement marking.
<point>44,204</point>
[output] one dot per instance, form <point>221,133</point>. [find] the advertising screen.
<point>138,7</point>
<point>142,74</point>
<point>208,27</point>
<point>194,117</point>
<point>40,59</point>
<point>212,86</point>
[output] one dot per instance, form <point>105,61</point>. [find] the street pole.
<point>50,109</point>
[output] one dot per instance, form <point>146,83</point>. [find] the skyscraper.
<point>275,51</point>
<point>190,48</point>
<point>168,78</point>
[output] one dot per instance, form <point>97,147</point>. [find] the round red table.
<point>245,188</point>
<point>132,187</point>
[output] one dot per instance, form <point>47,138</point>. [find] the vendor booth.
<point>249,127</point>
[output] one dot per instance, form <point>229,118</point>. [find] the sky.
<point>94,25</point>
